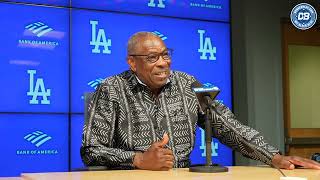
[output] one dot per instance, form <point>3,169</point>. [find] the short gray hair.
<point>135,39</point>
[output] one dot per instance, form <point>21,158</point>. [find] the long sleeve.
<point>99,146</point>
<point>248,141</point>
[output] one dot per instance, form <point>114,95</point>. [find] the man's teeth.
<point>162,73</point>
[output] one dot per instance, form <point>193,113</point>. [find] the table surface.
<point>235,172</point>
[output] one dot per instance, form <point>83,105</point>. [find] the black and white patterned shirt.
<point>129,118</point>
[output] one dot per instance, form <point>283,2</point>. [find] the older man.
<point>146,117</point>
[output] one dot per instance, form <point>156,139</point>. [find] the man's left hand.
<point>290,162</point>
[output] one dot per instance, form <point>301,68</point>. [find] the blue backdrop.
<point>50,56</point>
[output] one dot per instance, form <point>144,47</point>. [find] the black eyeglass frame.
<point>167,52</point>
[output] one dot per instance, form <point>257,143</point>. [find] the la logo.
<point>206,47</point>
<point>160,4</point>
<point>37,89</point>
<point>214,145</point>
<point>99,39</point>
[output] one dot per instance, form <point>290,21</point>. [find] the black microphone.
<point>316,157</point>
<point>205,95</point>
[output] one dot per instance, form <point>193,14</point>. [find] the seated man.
<point>146,117</point>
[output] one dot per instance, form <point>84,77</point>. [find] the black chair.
<point>87,99</point>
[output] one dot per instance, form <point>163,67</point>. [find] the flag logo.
<point>38,28</point>
<point>37,138</point>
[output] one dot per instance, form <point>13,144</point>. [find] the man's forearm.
<point>110,157</point>
<point>242,138</point>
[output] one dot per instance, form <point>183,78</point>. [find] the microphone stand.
<point>208,167</point>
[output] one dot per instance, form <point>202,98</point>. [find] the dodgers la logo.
<point>206,47</point>
<point>37,89</point>
<point>160,4</point>
<point>99,39</point>
<point>214,145</point>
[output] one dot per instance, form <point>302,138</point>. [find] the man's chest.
<point>148,118</point>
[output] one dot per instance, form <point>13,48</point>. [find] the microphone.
<point>205,94</point>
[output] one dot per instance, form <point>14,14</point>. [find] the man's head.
<point>149,58</point>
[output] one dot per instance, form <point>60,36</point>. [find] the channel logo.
<point>303,16</point>
<point>38,28</point>
<point>162,36</point>
<point>37,138</point>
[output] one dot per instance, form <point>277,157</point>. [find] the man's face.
<point>153,74</point>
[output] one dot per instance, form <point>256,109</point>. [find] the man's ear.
<point>132,63</point>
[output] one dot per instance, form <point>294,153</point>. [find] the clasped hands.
<point>157,157</point>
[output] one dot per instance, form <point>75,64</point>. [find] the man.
<point>146,117</point>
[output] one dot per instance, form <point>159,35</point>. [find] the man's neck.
<point>155,91</point>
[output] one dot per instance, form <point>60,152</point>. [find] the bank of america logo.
<point>94,84</point>
<point>208,85</point>
<point>162,36</point>
<point>38,28</point>
<point>37,138</point>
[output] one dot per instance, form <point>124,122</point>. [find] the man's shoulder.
<point>116,80</point>
<point>183,75</point>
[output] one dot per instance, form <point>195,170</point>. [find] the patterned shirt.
<point>129,118</point>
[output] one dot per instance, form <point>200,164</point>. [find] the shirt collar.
<point>135,81</point>
<point>139,81</point>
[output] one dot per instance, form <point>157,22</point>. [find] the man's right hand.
<point>157,157</point>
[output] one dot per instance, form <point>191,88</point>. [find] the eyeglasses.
<point>154,57</point>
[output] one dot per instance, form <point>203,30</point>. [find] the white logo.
<point>214,145</point>
<point>160,4</point>
<point>162,36</point>
<point>303,16</point>
<point>99,39</point>
<point>34,89</point>
<point>37,138</point>
<point>38,28</point>
<point>95,83</point>
<point>206,47</point>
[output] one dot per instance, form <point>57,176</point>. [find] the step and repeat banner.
<point>53,52</point>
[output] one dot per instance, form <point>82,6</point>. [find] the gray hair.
<point>135,39</point>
